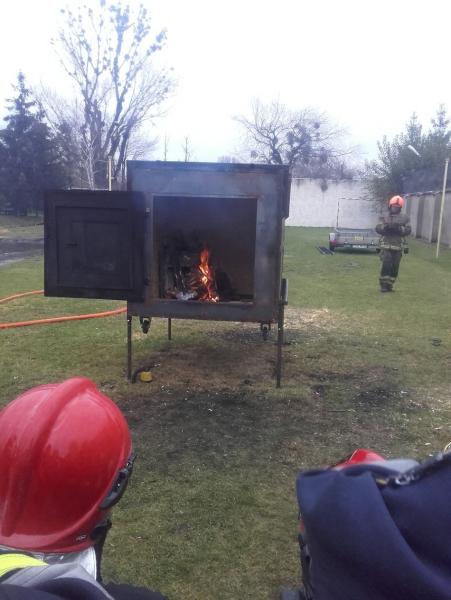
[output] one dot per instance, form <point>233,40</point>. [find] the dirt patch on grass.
<point>378,387</point>
<point>212,356</point>
<point>219,428</point>
<point>215,403</point>
<point>217,356</point>
<point>208,398</point>
<point>213,399</point>
<point>376,395</point>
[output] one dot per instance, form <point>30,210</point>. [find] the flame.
<point>207,278</point>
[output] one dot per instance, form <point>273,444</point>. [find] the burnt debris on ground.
<point>324,250</point>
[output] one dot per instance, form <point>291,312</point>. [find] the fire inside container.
<point>205,248</point>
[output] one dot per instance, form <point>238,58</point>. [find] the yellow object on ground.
<point>145,376</point>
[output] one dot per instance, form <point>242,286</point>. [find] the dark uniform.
<point>393,229</point>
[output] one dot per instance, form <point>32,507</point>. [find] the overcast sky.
<point>368,64</point>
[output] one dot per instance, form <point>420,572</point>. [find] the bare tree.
<point>274,134</point>
<point>68,116</point>
<point>139,146</point>
<point>187,149</point>
<point>65,120</point>
<point>108,53</point>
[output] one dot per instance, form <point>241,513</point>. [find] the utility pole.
<point>442,207</point>
<point>165,148</point>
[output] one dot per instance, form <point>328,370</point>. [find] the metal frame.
<point>269,186</point>
<point>118,230</point>
<point>283,301</point>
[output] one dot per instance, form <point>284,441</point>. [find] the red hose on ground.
<point>107,313</point>
<point>8,298</point>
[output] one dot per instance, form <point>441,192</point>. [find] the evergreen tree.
<point>398,169</point>
<point>440,126</point>
<point>69,156</point>
<point>31,159</point>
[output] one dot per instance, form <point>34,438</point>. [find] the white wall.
<point>310,206</point>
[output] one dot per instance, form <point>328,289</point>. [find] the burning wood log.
<point>189,276</point>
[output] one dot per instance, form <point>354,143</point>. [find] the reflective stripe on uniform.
<point>387,246</point>
<point>11,562</point>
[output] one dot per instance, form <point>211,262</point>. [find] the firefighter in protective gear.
<point>393,230</point>
<point>65,459</point>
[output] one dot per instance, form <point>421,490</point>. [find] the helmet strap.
<point>99,534</point>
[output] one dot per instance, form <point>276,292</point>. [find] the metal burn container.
<point>185,241</point>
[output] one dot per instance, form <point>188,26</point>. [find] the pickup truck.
<point>360,239</point>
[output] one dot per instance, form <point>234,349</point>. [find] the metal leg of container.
<point>129,347</point>
<point>169,329</point>
<point>280,323</point>
<point>265,328</point>
<point>283,301</point>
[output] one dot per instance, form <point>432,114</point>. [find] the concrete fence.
<point>423,210</point>
<point>319,203</point>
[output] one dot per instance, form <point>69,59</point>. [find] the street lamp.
<point>414,150</point>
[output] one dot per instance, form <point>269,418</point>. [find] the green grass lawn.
<point>211,511</point>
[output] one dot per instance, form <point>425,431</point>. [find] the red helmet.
<point>359,456</point>
<point>396,201</point>
<point>65,460</point>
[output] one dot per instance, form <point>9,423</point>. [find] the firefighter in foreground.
<point>393,230</point>
<point>65,461</point>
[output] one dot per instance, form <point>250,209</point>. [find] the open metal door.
<point>94,244</point>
